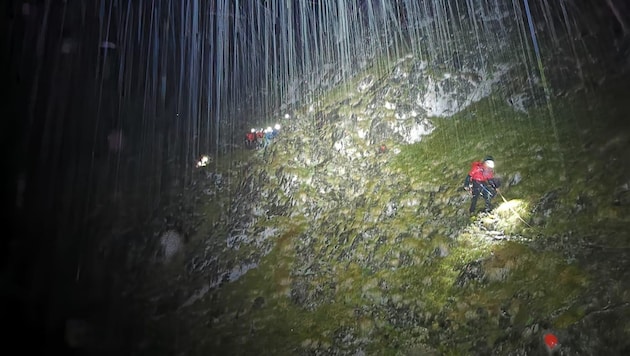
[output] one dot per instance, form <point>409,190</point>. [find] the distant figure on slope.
<point>260,135</point>
<point>480,181</point>
<point>275,131</point>
<point>268,136</point>
<point>250,139</point>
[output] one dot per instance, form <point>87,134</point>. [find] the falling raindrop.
<point>121,100</point>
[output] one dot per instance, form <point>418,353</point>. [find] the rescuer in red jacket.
<point>480,181</point>
<point>250,138</point>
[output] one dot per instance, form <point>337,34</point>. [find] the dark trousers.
<point>478,189</point>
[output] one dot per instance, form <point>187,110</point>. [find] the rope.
<point>505,201</point>
<point>515,212</point>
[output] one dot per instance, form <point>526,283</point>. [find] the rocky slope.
<point>324,243</point>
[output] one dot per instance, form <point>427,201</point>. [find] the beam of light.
<point>512,214</point>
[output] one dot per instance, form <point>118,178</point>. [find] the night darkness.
<point>177,84</point>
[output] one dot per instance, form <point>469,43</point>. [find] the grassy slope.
<point>572,161</point>
<point>583,159</point>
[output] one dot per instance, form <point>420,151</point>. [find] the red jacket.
<point>480,173</point>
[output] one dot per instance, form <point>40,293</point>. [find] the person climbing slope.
<point>480,181</point>
<point>250,138</point>
<point>268,136</point>
<point>260,135</point>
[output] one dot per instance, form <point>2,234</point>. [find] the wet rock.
<point>471,272</point>
<point>390,210</point>
<point>171,243</point>
<point>545,206</point>
<point>622,195</point>
<point>582,203</point>
<point>514,179</point>
<point>258,303</point>
<point>519,102</point>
